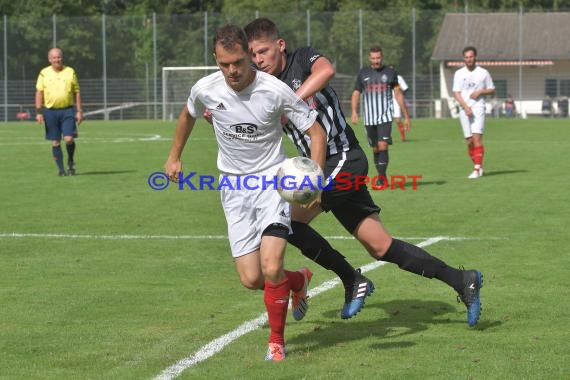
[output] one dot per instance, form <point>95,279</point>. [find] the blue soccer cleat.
<point>355,296</point>
<point>472,284</point>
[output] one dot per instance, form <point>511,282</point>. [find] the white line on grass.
<point>218,344</point>
<point>23,235</point>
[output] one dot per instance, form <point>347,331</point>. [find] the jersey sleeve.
<point>358,84</point>
<point>297,111</point>
<point>489,81</point>
<point>402,83</point>
<point>456,82</point>
<point>307,56</point>
<point>195,107</point>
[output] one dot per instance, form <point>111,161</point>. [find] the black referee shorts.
<point>348,197</point>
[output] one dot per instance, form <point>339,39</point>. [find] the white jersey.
<point>467,82</point>
<point>404,87</point>
<point>248,123</point>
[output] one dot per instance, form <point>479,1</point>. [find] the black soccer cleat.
<point>472,284</point>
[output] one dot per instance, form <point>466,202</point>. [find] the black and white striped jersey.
<point>340,136</point>
<point>377,98</point>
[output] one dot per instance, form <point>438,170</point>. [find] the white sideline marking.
<point>218,344</point>
<point>22,235</point>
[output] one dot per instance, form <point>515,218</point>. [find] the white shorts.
<point>474,124</point>
<point>397,110</point>
<point>251,209</point>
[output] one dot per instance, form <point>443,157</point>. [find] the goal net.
<point>176,84</point>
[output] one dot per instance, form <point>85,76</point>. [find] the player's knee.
<point>253,283</point>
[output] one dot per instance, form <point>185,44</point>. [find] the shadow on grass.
<point>503,172</point>
<point>399,318</point>
<point>106,172</point>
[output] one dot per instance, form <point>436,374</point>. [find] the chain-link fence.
<point>119,60</point>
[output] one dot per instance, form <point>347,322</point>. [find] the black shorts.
<point>348,197</point>
<point>380,132</point>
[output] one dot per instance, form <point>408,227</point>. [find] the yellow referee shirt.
<point>59,88</point>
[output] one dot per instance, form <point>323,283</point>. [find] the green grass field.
<point>103,278</point>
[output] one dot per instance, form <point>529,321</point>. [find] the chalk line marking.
<point>23,235</point>
<point>218,344</point>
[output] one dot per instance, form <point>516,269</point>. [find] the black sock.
<point>313,246</point>
<point>416,260</point>
<point>70,152</point>
<point>58,157</point>
<point>381,162</point>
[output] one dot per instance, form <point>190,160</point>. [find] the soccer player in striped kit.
<point>471,84</point>
<point>308,73</point>
<point>379,84</point>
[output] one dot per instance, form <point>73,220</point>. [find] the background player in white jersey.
<point>306,71</point>
<point>470,85</point>
<point>397,111</point>
<point>378,82</point>
<point>246,107</point>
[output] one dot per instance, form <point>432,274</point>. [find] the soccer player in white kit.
<point>246,107</point>
<point>470,85</point>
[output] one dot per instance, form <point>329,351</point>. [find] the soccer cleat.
<point>275,352</point>
<point>476,173</point>
<point>472,284</point>
<point>71,168</point>
<point>355,295</point>
<point>299,303</point>
<point>62,173</point>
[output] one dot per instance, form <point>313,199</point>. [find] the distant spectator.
<point>547,107</point>
<point>510,108</point>
<point>495,107</point>
<point>563,106</point>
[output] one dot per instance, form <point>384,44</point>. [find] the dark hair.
<point>262,28</point>
<point>470,48</point>
<point>229,36</point>
<point>375,49</point>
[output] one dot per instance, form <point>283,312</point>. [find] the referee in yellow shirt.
<point>58,107</point>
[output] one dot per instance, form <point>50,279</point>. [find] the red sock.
<point>276,298</point>
<point>478,155</point>
<point>296,280</point>
<point>470,149</point>
<point>402,130</point>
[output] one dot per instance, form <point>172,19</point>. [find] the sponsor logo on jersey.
<point>221,107</point>
<point>314,58</point>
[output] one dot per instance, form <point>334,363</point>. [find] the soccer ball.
<point>300,180</point>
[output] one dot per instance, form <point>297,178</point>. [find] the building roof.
<point>545,36</point>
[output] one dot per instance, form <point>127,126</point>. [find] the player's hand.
<point>79,117</point>
<point>354,118</point>
<point>407,124</point>
<point>40,118</point>
<point>208,116</point>
<point>172,167</point>
<point>284,120</point>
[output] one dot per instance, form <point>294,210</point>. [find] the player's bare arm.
<point>462,104</point>
<point>39,100</point>
<point>322,72</point>
<point>184,127</point>
<point>78,109</point>
<point>399,95</point>
<point>354,99</point>
<point>482,92</point>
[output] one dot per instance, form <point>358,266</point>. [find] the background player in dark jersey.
<point>308,73</point>
<point>378,83</point>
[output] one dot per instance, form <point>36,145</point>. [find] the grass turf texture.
<point>99,306</point>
